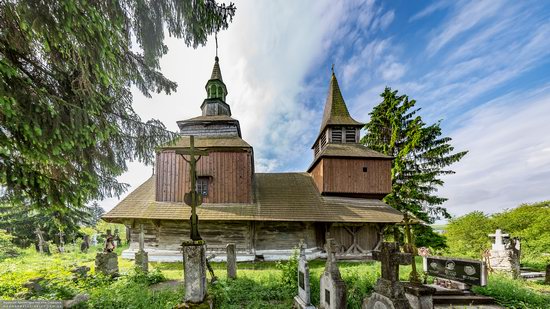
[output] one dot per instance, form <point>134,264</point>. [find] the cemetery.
<point>337,191</point>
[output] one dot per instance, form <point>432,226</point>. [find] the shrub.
<point>7,248</point>
<point>513,293</point>
<point>289,270</point>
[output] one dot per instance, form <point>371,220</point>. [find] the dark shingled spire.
<point>216,71</point>
<point>336,112</point>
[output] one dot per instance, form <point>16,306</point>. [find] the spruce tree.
<point>421,155</point>
<point>67,126</point>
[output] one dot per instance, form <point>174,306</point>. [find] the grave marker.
<point>333,288</point>
<point>505,253</point>
<point>231,261</point>
<point>303,299</point>
<point>388,291</point>
<point>106,262</point>
<point>142,257</point>
<point>470,272</point>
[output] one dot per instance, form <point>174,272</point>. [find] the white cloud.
<point>508,161</point>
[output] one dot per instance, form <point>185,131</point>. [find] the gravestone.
<point>388,291</point>
<point>505,253</point>
<point>303,299</point>
<point>85,245</point>
<point>61,247</point>
<point>142,257</point>
<point>194,263</point>
<point>231,261</point>
<point>333,288</point>
<point>41,243</point>
<point>106,263</point>
<point>93,242</point>
<point>117,239</point>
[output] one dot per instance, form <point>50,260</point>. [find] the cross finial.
<point>332,69</point>
<point>216,38</point>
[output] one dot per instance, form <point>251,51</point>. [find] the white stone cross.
<point>499,242</point>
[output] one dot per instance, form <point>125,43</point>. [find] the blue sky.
<point>482,67</point>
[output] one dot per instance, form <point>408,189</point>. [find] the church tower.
<point>225,176</point>
<point>341,165</point>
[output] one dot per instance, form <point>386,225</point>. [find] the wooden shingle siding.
<point>229,173</point>
<point>347,176</point>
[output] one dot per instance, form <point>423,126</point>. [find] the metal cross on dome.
<point>193,198</point>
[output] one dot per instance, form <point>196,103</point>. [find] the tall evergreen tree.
<point>421,155</point>
<point>67,125</point>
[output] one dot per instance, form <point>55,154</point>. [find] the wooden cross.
<point>193,197</point>
<point>391,257</point>
<point>40,236</point>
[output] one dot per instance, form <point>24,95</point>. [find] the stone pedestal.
<point>106,263</point>
<point>231,261</point>
<point>194,263</point>
<point>387,294</point>
<point>142,260</point>
<point>506,260</point>
<point>419,295</point>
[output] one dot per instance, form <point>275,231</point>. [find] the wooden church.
<point>264,214</point>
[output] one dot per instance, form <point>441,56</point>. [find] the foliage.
<point>290,270</point>
<point>21,221</point>
<point>95,212</point>
<point>7,248</point>
<point>147,278</point>
<point>421,155</point>
<point>426,237</point>
<point>67,126</point>
<point>467,235</point>
<point>513,293</point>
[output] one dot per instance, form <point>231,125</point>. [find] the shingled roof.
<point>336,112</point>
<point>279,197</point>
<point>216,71</point>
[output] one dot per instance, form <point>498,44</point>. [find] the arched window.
<point>212,92</point>
<point>220,92</point>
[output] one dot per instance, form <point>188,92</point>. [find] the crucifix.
<point>61,241</point>
<point>40,236</point>
<point>193,198</point>
<point>391,257</point>
<point>499,240</point>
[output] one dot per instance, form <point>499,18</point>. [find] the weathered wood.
<point>229,173</point>
<point>347,175</point>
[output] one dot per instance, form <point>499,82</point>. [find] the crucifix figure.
<point>193,198</point>
<point>499,240</point>
<point>391,257</point>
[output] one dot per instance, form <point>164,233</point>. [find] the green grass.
<point>259,285</point>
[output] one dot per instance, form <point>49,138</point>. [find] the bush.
<point>7,248</point>
<point>290,270</point>
<point>513,293</point>
<point>141,277</point>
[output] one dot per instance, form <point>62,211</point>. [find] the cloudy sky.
<point>482,67</point>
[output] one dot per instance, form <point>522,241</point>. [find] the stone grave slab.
<point>106,263</point>
<point>333,288</point>
<point>303,299</point>
<point>194,263</point>
<point>231,261</point>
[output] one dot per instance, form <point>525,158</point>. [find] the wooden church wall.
<point>229,174</point>
<point>366,237</point>
<point>274,235</point>
<point>348,176</point>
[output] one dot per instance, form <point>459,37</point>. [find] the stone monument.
<point>42,244</point>
<point>194,250</point>
<point>85,245</point>
<point>505,253</point>
<point>106,262</point>
<point>333,288</point>
<point>142,257</point>
<point>303,299</point>
<point>388,291</point>
<point>61,247</point>
<point>117,239</point>
<point>93,242</point>
<point>231,261</point>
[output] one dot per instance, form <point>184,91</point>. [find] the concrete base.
<point>208,303</point>
<point>300,304</point>
<point>420,296</point>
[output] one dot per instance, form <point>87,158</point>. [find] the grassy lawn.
<point>259,285</point>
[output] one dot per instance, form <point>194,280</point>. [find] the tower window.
<point>337,135</point>
<point>350,135</point>
<point>202,186</point>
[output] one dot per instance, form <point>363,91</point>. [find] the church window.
<point>212,91</point>
<point>350,135</point>
<point>337,135</point>
<point>220,92</point>
<point>202,186</point>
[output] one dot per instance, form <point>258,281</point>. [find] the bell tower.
<point>216,92</point>
<point>341,165</point>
